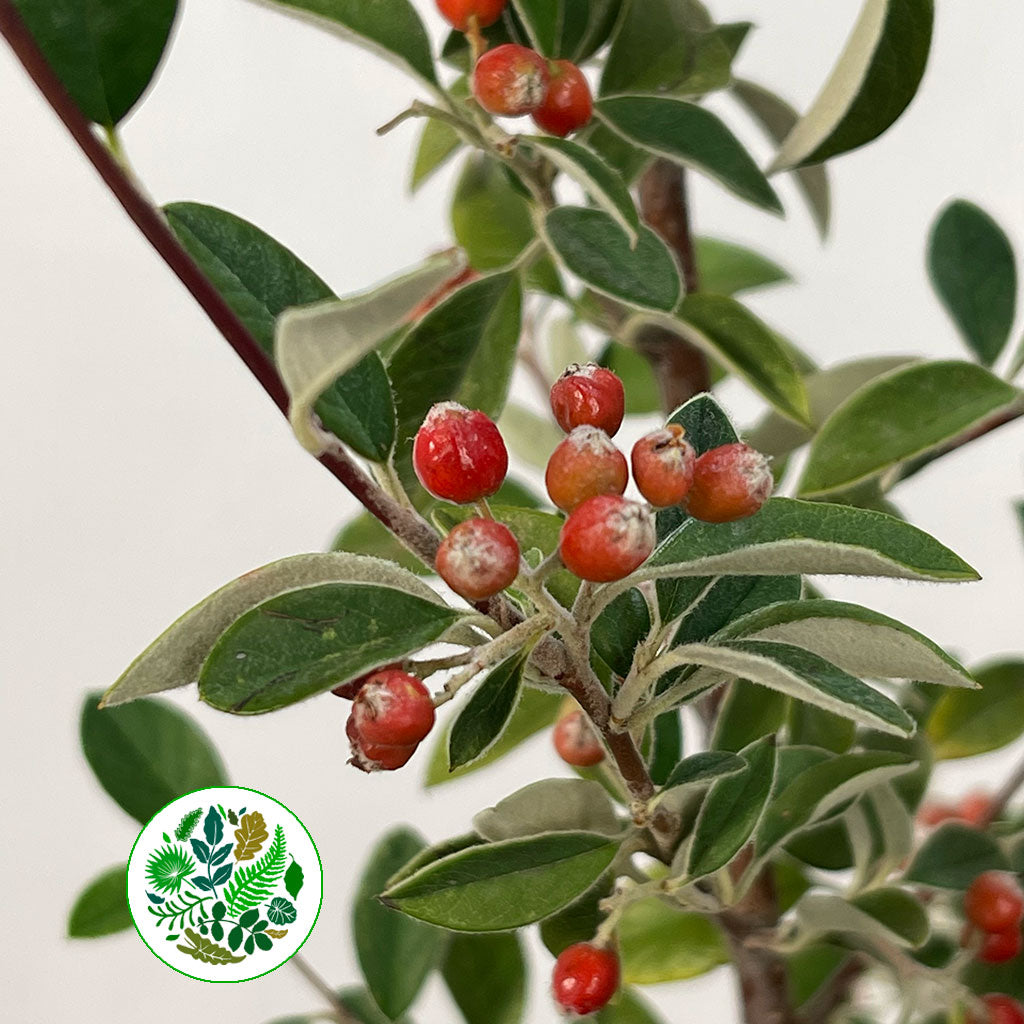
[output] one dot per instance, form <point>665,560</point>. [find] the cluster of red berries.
<point>972,810</point>
<point>513,80</point>
<point>994,906</point>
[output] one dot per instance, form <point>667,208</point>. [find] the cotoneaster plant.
<point>793,839</point>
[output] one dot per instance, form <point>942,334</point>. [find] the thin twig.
<point>1002,799</point>
<point>338,1009</point>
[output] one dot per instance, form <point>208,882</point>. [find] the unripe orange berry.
<point>576,742</point>
<point>510,80</point>
<point>459,455</point>
<point>584,465</point>
<point>730,482</point>
<point>994,902</point>
<point>585,978</point>
<point>663,462</point>
<point>588,395</point>
<point>458,12</point>
<point>478,558</point>
<point>606,538</point>
<point>569,104</point>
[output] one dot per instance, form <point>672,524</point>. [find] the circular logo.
<point>224,884</point>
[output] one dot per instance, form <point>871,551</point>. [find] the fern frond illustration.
<point>187,825</point>
<point>254,883</point>
<point>185,906</point>
<point>167,868</point>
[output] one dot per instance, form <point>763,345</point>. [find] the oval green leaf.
<point>101,907</point>
<point>551,805</point>
<point>592,246</point>
<point>972,267</point>
<point>147,754</point>
<point>692,136</point>
<point>659,943</point>
<point>953,856</point>
<point>487,712</point>
<point>504,885</point>
<point>906,413</point>
<point>704,768</point>
<point>486,975</point>
<point>727,268</point>
<point>875,79</point>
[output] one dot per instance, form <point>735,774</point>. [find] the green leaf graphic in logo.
<point>254,883</point>
<point>187,825</point>
<point>213,826</point>
<point>207,950</point>
<point>281,911</point>
<point>293,879</point>
<point>167,868</point>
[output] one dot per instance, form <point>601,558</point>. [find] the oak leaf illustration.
<point>251,835</point>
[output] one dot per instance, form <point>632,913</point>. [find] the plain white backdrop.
<point>142,467</point>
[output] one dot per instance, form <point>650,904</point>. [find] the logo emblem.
<point>224,884</point>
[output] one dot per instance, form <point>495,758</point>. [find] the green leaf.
<point>486,975</point>
<point>603,184</point>
<point>777,435</point>
<point>727,268</point>
<point>536,710</point>
<point>390,28</point>
<point>311,640</point>
<point>486,714</point>
<point>821,788</point>
<point>591,245</point>
<point>660,943</point>
<point>811,726</point>
<point>147,755</point>
<point>972,267</point>
<point>504,885</point>
<point>900,911</point>
<point>906,413</point>
<point>791,537</point>
<point>176,657</point>
<point>396,953</point>
<point>579,921</point>
<point>101,907</point>
<point>627,1008</point>
<point>692,136</point>
<point>551,805</point>
<point>731,811</point>
<point>873,82</point>
<point>105,52</point>
<point>704,768</point>
<point>637,375</point>
<point>953,856</point>
<point>777,118</point>
<point>541,19</point>
<point>857,639</point>
<point>809,968</point>
<point>367,535</point>
<point>439,141</point>
<point>294,879</point>
<point>253,883</point>
<point>970,723</point>
<point>882,917</point>
<point>463,350</point>
<point>529,436</point>
<point>619,628</point>
<point>748,713</point>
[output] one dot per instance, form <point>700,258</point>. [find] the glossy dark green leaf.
<point>659,943</point>
<point>966,723</point>
<point>972,267</point>
<point>105,51</point>
<point>873,82</point>
<point>396,953</point>
<point>504,885</point>
<point>536,710</point>
<point>731,810</point>
<point>704,768</point>
<point>953,856</point>
<point>692,136</point>
<point>906,413</point>
<point>747,714</point>
<point>147,753</point>
<point>541,19</point>
<point>619,628</point>
<point>486,975</point>
<point>391,28</point>
<point>591,245</point>
<point>259,278</point>
<point>101,908</point>
<point>727,268</point>
<point>310,640</point>
<point>777,118</point>
<point>486,714</point>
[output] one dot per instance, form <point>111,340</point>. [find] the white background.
<point>143,467</point>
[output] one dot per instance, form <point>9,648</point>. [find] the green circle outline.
<point>225,981</point>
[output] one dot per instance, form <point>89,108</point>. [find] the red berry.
<point>584,465</point>
<point>568,104</point>
<point>730,482</point>
<point>376,757</point>
<point>394,708</point>
<point>585,978</point>
<point>1001,947</point>
<point>663,463</point>
<point>458,12</point>
<point>510,80</point>
<point>606,538</point>
<point>459,455</point>
<point>588,395</point>
<point>994,902</point>
<point>974,808</point>
<point>478,558</point>
<point>931,814</point>
<point>350,689</point>
<point>576,742</point>
<point>1001,1010</point>
<point>442,293</point>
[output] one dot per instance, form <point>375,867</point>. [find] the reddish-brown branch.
<point>1002,799</point>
